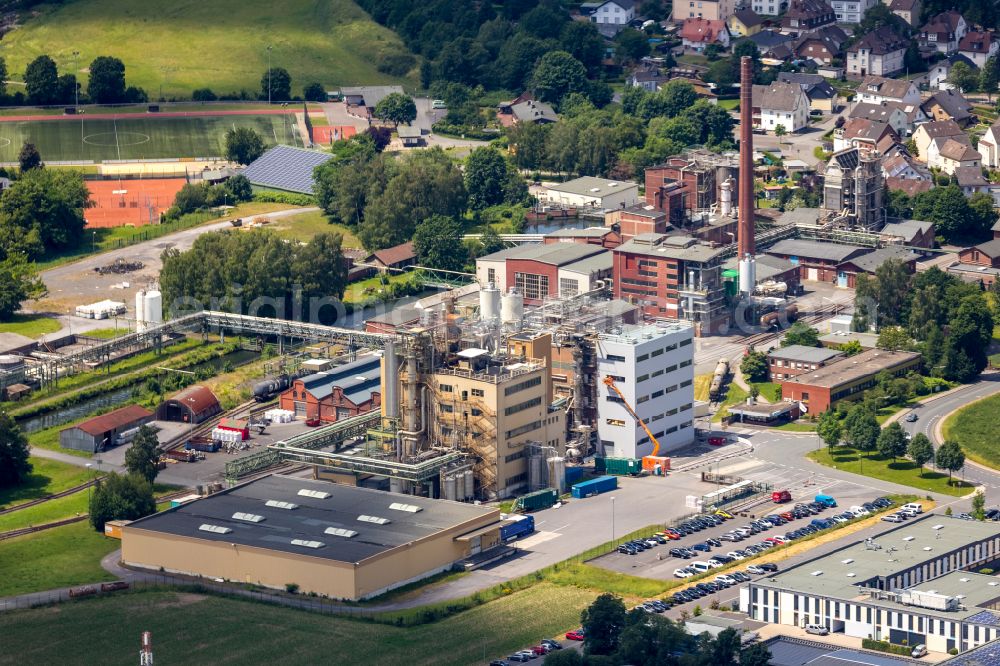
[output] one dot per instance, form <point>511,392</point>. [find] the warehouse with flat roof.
<point>909,586</point>
<point>338,541</point>
<point>819,389</point>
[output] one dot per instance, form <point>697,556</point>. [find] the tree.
<point>43,210</point>
<point>950,456</point>
<point>631,45</point>
<point>396,108</point>
<point>756,655</point>
<point>203,95</point>
<point>602,623</point>
<point>3,77</point>
<point>437,243</point>
<point>69,89</point>
<point>276,85</point>
<point>15,465</point>
<point>19,282</point>
<point>556,74</point>
<point>582,41</point>
<point>861,429</point>
<point>829,428</point>
<point>29,158</point>
<point>314,92</point>
<point>754,366</point>
<point>239,189</point>
<point>851,348</point>
<point>963,77</point>
<point>920,450</point>
<point>979,505</point>
<point>107,80</point>
<point>120,497</point>
<point>970,333</point>
<point>485,175</point>
<point>989,77</point>
<point>891,441</point>
<point>780,131</point>
<point>490,241</point>
<point>142,456</point>
<point>800,333</point>
<point>894,338</point>
<point>243,145</point>
<point>41,81</point>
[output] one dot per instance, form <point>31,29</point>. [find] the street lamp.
<point>612,520</point>
<point>89,467</point>
<point>269,74</point>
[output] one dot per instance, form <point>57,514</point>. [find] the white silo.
<point>153,308</point>
<point>512,310</point>
<point>557,473</point>
<point>727,197</point>
<point>450,492</point>
<point>489,303</point>
<point>470,484</point>
<point>140,311</point>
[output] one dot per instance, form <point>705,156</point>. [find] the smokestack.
<point>746,214</point>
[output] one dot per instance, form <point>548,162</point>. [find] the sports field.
<point>136,202</point>
<point>138,136</point>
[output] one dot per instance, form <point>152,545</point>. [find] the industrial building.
<point>793,360</point>
<point>104,431</point>
<point>818,390</point>
<point>910,586</point>
<point>853,188</point>
<point>192,405</point>
<point>538,271</point>
<point>333,540</point>
<point>338,393</point>
<point>592,192</point>
<point>652,365</point>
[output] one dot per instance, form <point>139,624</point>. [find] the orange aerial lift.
<point>650,462</point>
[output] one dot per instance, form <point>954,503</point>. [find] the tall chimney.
<point>746,213</point>
<point>744,239</point>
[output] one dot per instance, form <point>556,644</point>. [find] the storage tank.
<point>140,311</point>
<point>557,473</point>
<point>535,480</point>
<point>512,310</point>
<point>153,308</point>
<point>10,361</point>
<point>727,197</point>
<point>470,484</point>
<point>489,303</point>
<point>450,492</point>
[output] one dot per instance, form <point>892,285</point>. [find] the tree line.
<point>956,217</point>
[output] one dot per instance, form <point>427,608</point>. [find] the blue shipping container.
<point>601,484</point>
<point>574,474</point>
<point>517,526</point>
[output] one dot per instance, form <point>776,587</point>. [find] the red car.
<point>716,441</point>
<point>312,423</point>
<point>541,650</point>
<point>787,515</point>
<point>575,635</point>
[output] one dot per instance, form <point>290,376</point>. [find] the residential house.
<point>948,105</point>
<point>744,22</point>
<point>979,263</point>
<point>970,179</point>
<point>614,12</point>
<point>911,233</point>
<point>821,46</point>
<point>901,117</point>
<point>902,165</point>
<point>978,46</point>
<point>878,89</point>
<point>852,11</point>
<point>780,104</point>
<point>822,96</point>
<point>939,131</point>
<point>766,40</point>
<point>937,77</point>
<point>769,7</point>
<point>697,33</point>
<point>943,32</point>
<point>878,53</point>
<point>649,79</point>
<point>411,136</point>
<point>952,154</point>
<point>908,10</point>
<point>909,186</point>
<point>862,134</point>
<point>713,10</point>
<point>988,146</point>
<point>394,258</point>
<point>531,111</point>
<point>808,15</point>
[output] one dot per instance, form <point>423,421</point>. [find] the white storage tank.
<point>535,480</point>
<point>450,491</point>
<point>140,311</point>
<point>489,303</point>
<point>557,473</point>
<point>470,484</point>
<point>512,309</point>
<point>153,308</point>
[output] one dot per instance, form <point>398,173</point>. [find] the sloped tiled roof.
<point>945,22</point>
<point>747,17</point>
<point>881,41</point>
<point>396,254</point>
<point>879,85</point>
<point>958,151</point>
<point>970,176</point>
<point>976,42</point>
<point>778,96</point>
<point>910,186</point>
<point>702,30</point>
<point>941,128</point>
<point>116,420</point>
<point>951,102</point>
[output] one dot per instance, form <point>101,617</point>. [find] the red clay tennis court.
<point>327,134</point>
<point>117,203</point>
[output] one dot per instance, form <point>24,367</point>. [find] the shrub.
<point>204,95</point>
<point>395,63</point>
<point>289,198</point>
<point>291,588</point>
<point>885,646</point>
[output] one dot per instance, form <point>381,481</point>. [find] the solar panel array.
<point>286,168</point>
<point>985,617</point>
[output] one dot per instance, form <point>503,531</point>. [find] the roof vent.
<point>938,527</point>
<point>851,574</point>
<point>249,517</point>
<point>317,494</point>
<point>927,548</point>
<point>340,531</point>
<point>907,538</point>
<point>307,544</point>
<point>816,573</point>
<point>847,561</point>
<point>964,580</point>
<point>595,189</point>
<point>214,529</point>
<point>410,508</point>
<point>373,519</point>
<point>276,504</point>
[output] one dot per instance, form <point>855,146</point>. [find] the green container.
<point>540,499</point>
<point>623,466</point>
<point>599,465</point>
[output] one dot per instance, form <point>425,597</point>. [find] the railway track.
<point>247,409</point>
<point>809,318</point>
<point>39,528</point>
<point>47,498</point>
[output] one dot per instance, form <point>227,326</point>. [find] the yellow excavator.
<point>610,383</point>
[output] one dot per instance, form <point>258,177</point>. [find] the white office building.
<point>653,366</point>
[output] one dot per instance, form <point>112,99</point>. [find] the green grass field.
<point>47,477</point>
<point>901,471</point>
<point>179,46</point>
<point>60,557</point>
<point>147,136</point>
<point>303,227</point>
<point>30,326</point>
<point>196,629</point>
<point>975,428</point>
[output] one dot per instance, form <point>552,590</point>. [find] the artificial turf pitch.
<point>137,138</point>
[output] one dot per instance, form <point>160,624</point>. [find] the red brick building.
<point>603,236</point>
<point>787,362</point>
<point>819,389</point>
<point>344,391</point>
<point>817,261</point>
<point>638,219</point>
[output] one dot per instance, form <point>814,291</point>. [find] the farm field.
<point>171,49</point>
<point>143,137</point>
<point>207,629</point>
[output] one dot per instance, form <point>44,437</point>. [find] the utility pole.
<point>76,86</point>
<point>268,74</point>
<point>612,521</point>
<point>146,653</point>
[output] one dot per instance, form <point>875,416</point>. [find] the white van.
<point>859,511</point>
<point>817,629</point>
<point>915,507</point>
<point>919,651</point>
<point>700,567</point>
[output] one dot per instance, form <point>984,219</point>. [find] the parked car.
<point>541,650</point>
<point>779,496</point>
<point>817,629</point>
<point>892,518</point>
<point>682,573</point>
<point>919,651</point>
<point>911,417</point>
<point>519,657</point>
<point>913,506</point>
<point>553,644</point>
<point>716,441</point>
<point>575,635</point>
<point>755,569</point>
<point>312,423</point>
<point>499,662</point>
<point>769,566</point>
<point>715,543</point>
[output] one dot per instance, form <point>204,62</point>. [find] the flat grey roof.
<point>872,260</point>
<point>557,254</point>
<point>358,380</point>
<point>805,354</point>
<point>587,232</point>
<point>597,263</point>
<point>768,267</point>
<point>591,186</point>
<point>794,247</point>
<point>866,363</point>
<point>311,518</point>
<point>671,247</point>
<point>866,339</point>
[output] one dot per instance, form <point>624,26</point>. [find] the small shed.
<point>102,431</point>
<point>241,426</point>
<point>17,392</point>
<point>192,405</point>
<point>410,136</point>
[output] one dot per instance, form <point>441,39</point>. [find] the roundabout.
<point>116,139</point>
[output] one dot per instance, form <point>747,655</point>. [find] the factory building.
<point>192,405</point>
<point>592,192</point>
<point>333,540</point>
<point>793,360</point>
<point>103,431</point>
<point>341,392</point>
<point>819,389</point>
<point>853,187</point>
<point>910,586</point>
<point>652,365</point>
<point>536,271</point>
